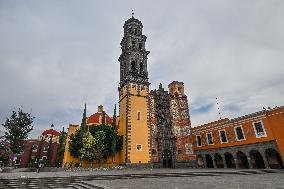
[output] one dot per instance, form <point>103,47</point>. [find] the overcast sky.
<point>57,55</point>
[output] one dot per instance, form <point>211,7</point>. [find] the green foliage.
<point>87,151</point>
<point>75,144</point>
<point>18,126</point>
<point>99,145</point>
<point>61,150</point>
<point>84,126</point>
<point>5,152</point>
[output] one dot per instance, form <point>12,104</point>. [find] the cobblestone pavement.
<point>156,178</point>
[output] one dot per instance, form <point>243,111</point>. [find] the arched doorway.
<point>274,159</point>
<point>167,159</point>
<point>256,160</point>
<point>200,161</point>
<point>219,161</point>
<point>242,160</point>
<point>229,159</point>
<point>209,161</point>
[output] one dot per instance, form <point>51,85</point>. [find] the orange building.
<point>252,141</point>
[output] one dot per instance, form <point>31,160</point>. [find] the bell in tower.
<point>133,59</point>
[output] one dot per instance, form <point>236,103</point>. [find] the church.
<point>155,125</point>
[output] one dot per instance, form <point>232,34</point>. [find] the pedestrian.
<point>36,166</point>
<point>40,165</point>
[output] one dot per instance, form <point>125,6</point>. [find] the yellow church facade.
<point>133,120</point>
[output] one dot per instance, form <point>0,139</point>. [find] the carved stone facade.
<point>163,136</point>
<point>178,116</point>
<point>180,121</point>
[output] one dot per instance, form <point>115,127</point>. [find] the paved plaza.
<point>156,178</point>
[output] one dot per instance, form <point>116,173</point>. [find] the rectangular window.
<point>223,136</point>
<point>209,138</point>
<point>138,147</point>
<point>259,129</point>
<point>239,133</point>
<point>198,140</point>
<point>138,115</point>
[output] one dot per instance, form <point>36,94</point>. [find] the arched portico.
<point>229,160</point>
<point>209,161</point>
<point>256,160</point>
<point>242,160</point>
<point>274,159</point>
<point>218,161</point>
<point>200,161</point>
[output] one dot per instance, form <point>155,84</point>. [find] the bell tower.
<point>133,94</point>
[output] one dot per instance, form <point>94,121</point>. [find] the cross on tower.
<point>132,12</point>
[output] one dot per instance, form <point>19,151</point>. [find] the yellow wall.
<point>67,156</point>
<point>122,121</point>
<point>110,161</point>
<point>138,130</point>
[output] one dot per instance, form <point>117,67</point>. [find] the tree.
<point>5,152</point>
<point>75,143</point>
<point>18,126</point>
<point>87,151</point>
<point>99,146</point>
<point>61,150</point>
<point>114,133</point>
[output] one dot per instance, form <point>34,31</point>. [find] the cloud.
<point>57,55</point>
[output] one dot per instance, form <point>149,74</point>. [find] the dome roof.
<point>95,118</point>
<point>50,132</point>
<point>133,20</point>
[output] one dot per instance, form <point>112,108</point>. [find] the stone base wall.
<point>139,165</point>
<point>178,164</point>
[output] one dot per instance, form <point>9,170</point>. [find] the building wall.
<point>39,151</point>
<point>122,125</point>
<point>181,125</point>
<point>135,99</point>
<point>67,156</point>
<point>272,122</point>
<point>229,125</point>
<point>68,159</point>
<point>275,119</point>
<point>180,121</point>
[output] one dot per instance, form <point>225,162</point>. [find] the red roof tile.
<point>95,118</point>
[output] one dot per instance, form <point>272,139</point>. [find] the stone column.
<point>236,160</point>
<point>214,161</point>
<point>224,161</point>
<point>266,164</point>
<point>249,160</point>
<point>204,161</point>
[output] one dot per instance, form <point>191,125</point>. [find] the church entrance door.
<point>167,159</point>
